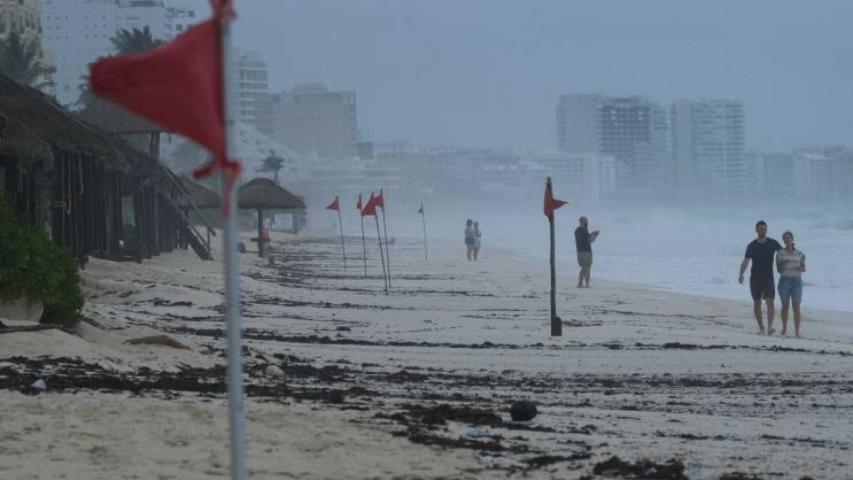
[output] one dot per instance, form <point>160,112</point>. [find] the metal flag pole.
<point>387,246</point>
<point>423,219</point>
<point>363,244</point>
<point>341,224</point>
<point>236,415</point>
<point>381,256</point>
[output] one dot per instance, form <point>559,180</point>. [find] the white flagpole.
<point>236,415</point>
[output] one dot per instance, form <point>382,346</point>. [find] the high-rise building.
<point>253,95</point>
<point>633,130</point>
<point>78,32</point>
<point>311,118</point>
<point>708,147</point>
<point>24,18</point>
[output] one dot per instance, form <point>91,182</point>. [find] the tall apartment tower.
<point>633,130</point>
<point>253,91</point>
<point>312,118</point>
<point>708,145</point>
<point>78,32</point>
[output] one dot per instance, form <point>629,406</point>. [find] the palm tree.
<point>125,42</point>
<point>273,163</point>
<point>21,61</point>
<point>134,41</point>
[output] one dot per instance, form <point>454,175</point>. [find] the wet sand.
<point>346,382</point>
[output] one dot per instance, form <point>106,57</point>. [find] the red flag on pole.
<point>421,210</point>
<point>551,203</point>
<point>335,205</point>
<point>380,199</point>
<point>369,208</point>
<point>358,204</point>
<point>178,86</point>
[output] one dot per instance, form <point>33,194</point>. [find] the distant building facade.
<point>24,18</point>
<point>78,32</point>
<point>312,118</point>
<point>633,130</point>
<point>708,146</point>
<point>253,93</point>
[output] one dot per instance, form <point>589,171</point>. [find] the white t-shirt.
<point>790,262</point>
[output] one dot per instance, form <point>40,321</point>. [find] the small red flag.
<point>421,210</point>
<point>358,203</point>
<point>335,205</point>
<point>179,86</point>
<point>551,203</point>
<point>380,200</point>
<point>370,208</point>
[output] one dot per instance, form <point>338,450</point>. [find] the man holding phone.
<point>583,241</point>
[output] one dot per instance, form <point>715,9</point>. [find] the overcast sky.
<point>488,73</point>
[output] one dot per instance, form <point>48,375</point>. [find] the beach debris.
<point>40,384</point>
<point>161,340</point>
<point>274,371</point>
<point>643,468</point>
<point>523,411</point>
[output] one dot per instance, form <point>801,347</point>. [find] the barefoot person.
<point>790,263</point>
<point>469,239</point>
<point>761,283</point>
<point>583,242</point>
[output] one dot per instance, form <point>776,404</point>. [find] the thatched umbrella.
<point>263,194</point>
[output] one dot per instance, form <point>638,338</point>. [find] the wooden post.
<point>556,324</point>
<point>387,246</point>
<point>423,219</point>
<point>260,232</point>
<point>343,250</point>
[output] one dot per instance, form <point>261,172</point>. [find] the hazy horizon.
<point>489,73</point>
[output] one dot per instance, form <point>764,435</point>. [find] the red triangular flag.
<point>380,200</point>
<point>178,86</point>
<point>421,210</point>
<point>370,207</point>
<point>335,205</point>
<point>551,203</point>
<point>358,204</point>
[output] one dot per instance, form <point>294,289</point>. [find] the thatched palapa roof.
<point>263,193</point>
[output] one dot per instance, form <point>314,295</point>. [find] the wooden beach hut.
<point>264,194</point>
<point>94,193</point>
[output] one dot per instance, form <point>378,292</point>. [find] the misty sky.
<point>488,73</point>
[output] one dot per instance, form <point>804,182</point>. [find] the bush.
<point>32,265</point>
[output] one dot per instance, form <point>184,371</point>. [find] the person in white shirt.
<point>790,263</point>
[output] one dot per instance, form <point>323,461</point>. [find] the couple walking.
<point>790,263</point>
<point>472,239</point>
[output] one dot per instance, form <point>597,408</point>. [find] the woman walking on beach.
<point>790,263</point>
<point>477,236</point>
<point>469,239</point>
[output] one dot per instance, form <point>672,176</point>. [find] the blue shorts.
<point>791,289</point>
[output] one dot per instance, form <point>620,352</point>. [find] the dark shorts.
<point>585,259</point>
<point>762,288</point>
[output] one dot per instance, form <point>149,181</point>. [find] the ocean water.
<point>681,249</point>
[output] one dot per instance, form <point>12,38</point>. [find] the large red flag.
<point>369,208</point>
<point>551,203</point>
<point>178,86</point>
<point>358,204</point>
<point>380,200</point>
<point>335,205</point>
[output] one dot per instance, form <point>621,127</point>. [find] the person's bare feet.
<point>761,331</point>
<point>770,331</point>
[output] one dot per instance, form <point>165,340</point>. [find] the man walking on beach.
<point>761,283</point>
<point>583,242</point>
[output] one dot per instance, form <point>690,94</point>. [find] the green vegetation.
<point>22,62</point>
<point>32,265</point>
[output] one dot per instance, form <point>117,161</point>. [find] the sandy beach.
<point>344,381</point>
